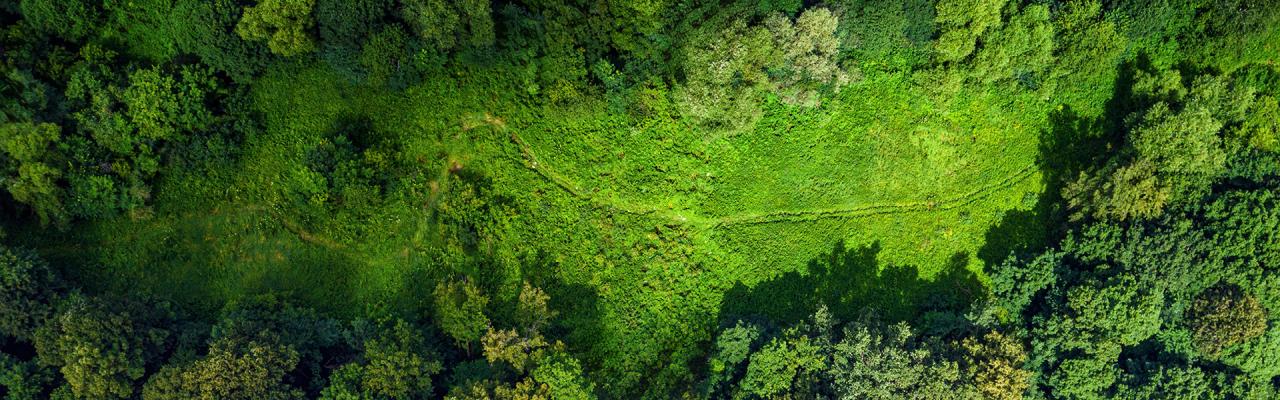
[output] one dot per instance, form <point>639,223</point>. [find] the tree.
<point>1183,144</point>
<point>562,376</point>
<point>994,362</point>
<point>809,49</point>
<point>446,25</point>
<point>27,292</point>
<point>1123,310</point>
<point>732,347</point>
<point>532,312</point>
<point>459,308</point>
<point>1262,129</point>
<point>962,23</point>
<point>397,364</point>
<point>1191,382</point>
<point>1174,148</point>
<point>871,363</point>
<point>233,370</point>
<point>272,322</point>
<point>70,19</point>
<point>728,67</point>
<point>383,56</point>
<point>522,364</point>
<point>1130,192</point>
<point>783,367</point>
<point>1016,284</point>
<point>161,107</point>
<point>29,161</point>
<point>1088,376</point>
<point>284,24</point>
<point>1224,316</point>
<point>344,29</point>
<point>724,72</point>
<point>143,26</point>
<point>210,34</point>
<point>23,380</point>
<point>892,34</point>
<point>1021,49</point>
<point>1088,47</point>
<point>525,367</point>
<point>101,353</point>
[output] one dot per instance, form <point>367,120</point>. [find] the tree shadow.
<point>1072,144</point>
<point>577,306</point>
<point>850,282</point>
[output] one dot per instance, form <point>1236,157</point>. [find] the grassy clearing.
<point>640,225</point>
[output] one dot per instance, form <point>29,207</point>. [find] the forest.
<point>639,199</point>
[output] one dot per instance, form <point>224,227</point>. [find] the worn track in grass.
<point>686,217</point>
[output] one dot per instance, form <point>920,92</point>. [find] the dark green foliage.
<point>1123,292</point>
<point>1016,283</point>
<point>728,354</point>
<point>782,368</point>
<point>122,124</point>
<point>344,27</point>
<point>209,33</point>
<point>71,20</point>
<point>448,25</point>
<point>353,167</point>
<point>1189,382</point>
<point>299,339</point>
<point>144,27</point>
<point>23,380</point>
<point>1175,147</point>
<point>28,290</point>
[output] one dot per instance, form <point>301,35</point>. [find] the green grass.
<point>640,225</point>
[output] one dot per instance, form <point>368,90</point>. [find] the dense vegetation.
<point>570,199</point>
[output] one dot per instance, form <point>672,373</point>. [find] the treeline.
<point>1156,276</point>
<point>61,343</point>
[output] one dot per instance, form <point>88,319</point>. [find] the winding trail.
<point>686,217</point>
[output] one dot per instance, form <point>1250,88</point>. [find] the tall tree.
<point>102,353</point>
<point>234,370</point>
<point>284,24</point>
<point>459,311</point>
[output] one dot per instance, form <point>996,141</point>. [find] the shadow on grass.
<point>577,307</point>
<point>1072,144</point>
<point>850,282</point>
<point>201,263</point>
